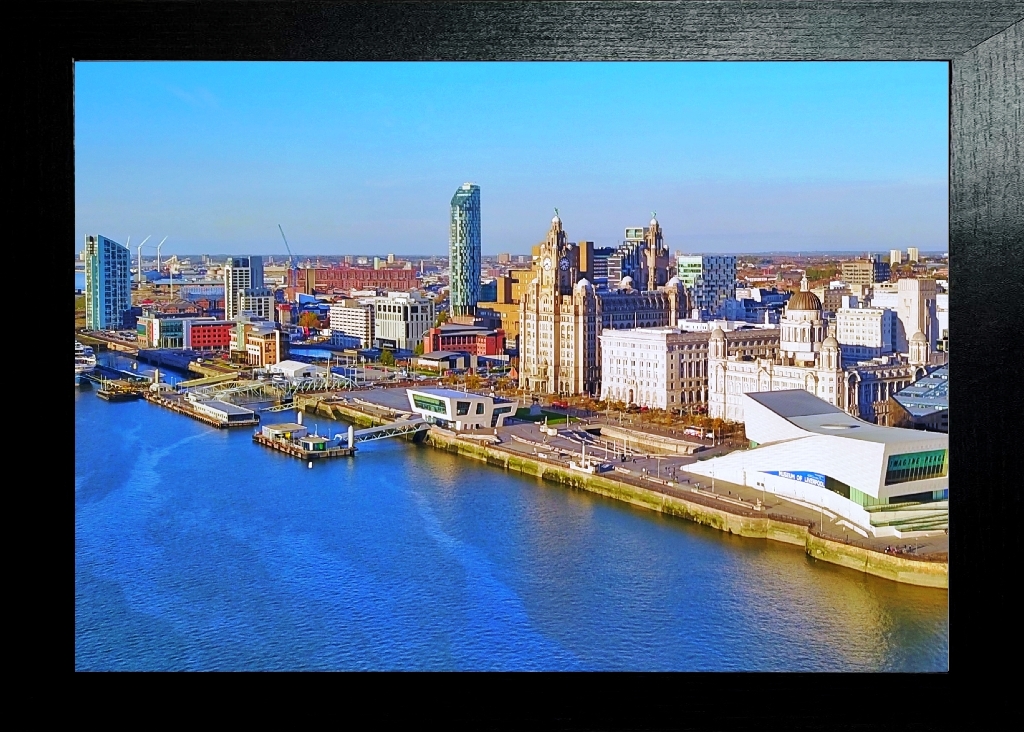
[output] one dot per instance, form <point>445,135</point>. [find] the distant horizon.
<point>756,157</point>
<point>301,258</point>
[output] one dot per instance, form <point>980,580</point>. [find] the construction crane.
<point>291,257</point>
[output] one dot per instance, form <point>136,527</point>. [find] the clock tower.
<point>550,361</point>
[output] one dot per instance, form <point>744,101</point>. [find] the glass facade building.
<point>710,279</point>
<point>107,283</point>
<point>464,250</point>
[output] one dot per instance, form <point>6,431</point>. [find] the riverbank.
<point>895,568</point>
<point>673,502</point>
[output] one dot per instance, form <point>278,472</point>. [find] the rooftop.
<point>285,426</point>
<point>448,394</point>
<point>438,355</point>
<point>926,395</point>
<point>817,416</point>
<point>227,408</point>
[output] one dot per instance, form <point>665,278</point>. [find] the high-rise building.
<point>464,250</point>
<point>865,271</point>
<point>895,256</point>
<point>913,254</point>
<point>562,314</point>
<point>244,289</point>
<point>107,283</point>
<point>710,279</point>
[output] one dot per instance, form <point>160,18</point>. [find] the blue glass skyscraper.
<point>464,250</point>
<point>107,283</point>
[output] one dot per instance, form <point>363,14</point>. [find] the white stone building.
<point>667,368</point>
<point>915,302</point>
<point>812,361</point>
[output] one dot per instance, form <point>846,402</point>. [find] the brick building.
<point>346,278</point>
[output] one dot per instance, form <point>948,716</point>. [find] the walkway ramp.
<point>394,429</point>
<point>207,381</point>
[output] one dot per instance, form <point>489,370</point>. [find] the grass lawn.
<point>523,413</point>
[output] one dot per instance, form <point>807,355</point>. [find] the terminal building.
<point>877,481</point>
<point>460,411</point>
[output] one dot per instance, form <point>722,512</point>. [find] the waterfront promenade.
<point>655,480</point>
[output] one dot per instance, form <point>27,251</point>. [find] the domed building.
<point>808,359</point>
<point>811,360</point>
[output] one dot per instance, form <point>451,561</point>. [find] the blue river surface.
<point>196,549</point>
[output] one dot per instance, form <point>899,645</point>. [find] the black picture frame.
<point>983,41</point>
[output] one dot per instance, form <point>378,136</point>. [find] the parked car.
<point>560,405</point>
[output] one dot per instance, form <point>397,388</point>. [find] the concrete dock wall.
<point>898,569</point>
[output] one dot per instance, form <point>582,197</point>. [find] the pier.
<point>292,438</point>
<point>214,413</point>
<point>295,449</point>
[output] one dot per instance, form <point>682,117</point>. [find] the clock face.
<point>547,262</point>
<point>563,264</point>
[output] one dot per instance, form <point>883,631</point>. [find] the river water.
<point>197,549</point>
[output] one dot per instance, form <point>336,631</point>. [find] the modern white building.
<point>107,283</point>
<point>865,333</point>
<point>913,254</point>
<point>709,279</point>
<point>895,256</point>
<point>402,318</point>
<point>352,320</point>
<point>916,304</point>
<point>223,411</point>
<point>460,411</point>
<point>942,315</point>
<point>880,481</point>
<point>296,370</point>
<point>244,290</point>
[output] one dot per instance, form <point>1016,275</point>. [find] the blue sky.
<point>363,158</point>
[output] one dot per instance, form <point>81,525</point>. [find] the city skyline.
<point>361,158</point>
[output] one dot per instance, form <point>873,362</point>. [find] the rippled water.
<point>196,549</point>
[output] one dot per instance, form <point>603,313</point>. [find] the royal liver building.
<point>562,313</point>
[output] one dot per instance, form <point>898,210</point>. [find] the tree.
<point>442,318</point>
<point>419,349</point>
<point>387,358</point>
<point>309,320</point>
